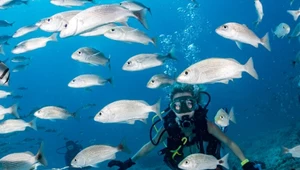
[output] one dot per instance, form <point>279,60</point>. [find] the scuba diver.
<point>72,150</point>
<point>187,132</point>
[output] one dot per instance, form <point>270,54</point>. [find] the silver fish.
<point>19,59</point>
<point>259,11</point>
<point>128,34</point>
<point>70,3</point>
<point>5,4</point>
<point>126,111</point>
<point>53,113</point>
<point>282,30</point>
<point>296,31</point>
<point>160,81</point>
<point>91,56</point>
<point>1,50</point>
<point>25,30</point>
<point>201,161</point>
<point>294,13</point>
<point>95,154</point>
<point>99,30</point>
<point>216,70</point>
<point>4,38</point>
<point>20,67</point>
<point>88,80</point>
<point>134,6</point>
<point>10,110</point>
<point>57,22</point>
<point>23,160</point>
<point>33,44</point>
<point>99,15</point>
<point>4,94</point>
<point>242,34</point>
<point>16,125</point>
<point>222,118</point>
<point>146,61</point>
<point>295,151</point>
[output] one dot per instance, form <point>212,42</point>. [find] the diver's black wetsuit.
<point>175,136</point>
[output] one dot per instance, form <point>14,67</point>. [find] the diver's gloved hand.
<point>122,165</point>
<point>250,166</point>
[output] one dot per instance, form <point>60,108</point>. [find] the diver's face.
<point>183,104</point>
<point>70,147</point>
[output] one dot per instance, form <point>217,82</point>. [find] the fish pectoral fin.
<point>223,81</point>
<point>143,120</point>
<point>239,44</point>
<point>130,121</point>
<point>112,156</point>
<point>95,166</point>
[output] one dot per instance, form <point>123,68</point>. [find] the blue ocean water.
<point>271,102</point>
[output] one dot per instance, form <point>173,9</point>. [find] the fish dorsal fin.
<point>29,153</point>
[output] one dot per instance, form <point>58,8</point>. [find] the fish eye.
<point>48,19</point>
<point>221,117</point>
<point>186,162</point>
<point>129,62</point>
<point>79,52</point>
<point>75,160</point>
<point>100,114</point>
<point>112,30</point>
<point>66,25</point>
<point>73,80</point>
<point>152,81</point>
<point>186,73</point>
<point>225,26</point>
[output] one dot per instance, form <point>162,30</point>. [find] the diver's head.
<point>70,145</point>
<point>184,103</point>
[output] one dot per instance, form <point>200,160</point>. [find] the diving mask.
<point>184,104</point>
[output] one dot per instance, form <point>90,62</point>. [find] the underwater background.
<point>261,106</point>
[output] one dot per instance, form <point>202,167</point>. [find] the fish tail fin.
<point>1,50</point>
<point>53,37</point>
<point>256,23</point>
<point>123,147</point>
<point>141,15</point>
<point>93,1</point>
<point>154,41</point>
<point>40,156</point>
<point>265,42</point>
<point>284,150</point>
<point>294,13</point>
<point>156,109</point>
<point>231,115</point>
<point>171,54</point>
<point>25,2</point>
<point>33,124</point>
<point>11,24</point>
<point>224,161</point>
<point>14,110</point>
<point>250,68</point>
<point>110,80</point>
<point>149,9</point>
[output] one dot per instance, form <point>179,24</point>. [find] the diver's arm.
<point>215,131</point>
<point>148,147</point>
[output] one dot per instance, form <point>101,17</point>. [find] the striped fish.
<point>4,74</point>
